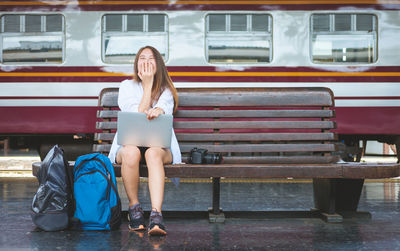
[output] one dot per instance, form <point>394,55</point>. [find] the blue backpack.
<point>97,203</point>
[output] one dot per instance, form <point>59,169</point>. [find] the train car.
<point>56,56</point>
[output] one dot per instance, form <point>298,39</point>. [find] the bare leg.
<point>129,158</point>
<point>155,159</point>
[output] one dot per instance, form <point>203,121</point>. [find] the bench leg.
<point>4,142</point>
<point>397,143</point>
<point>338,198</point>
<point>215,213</point>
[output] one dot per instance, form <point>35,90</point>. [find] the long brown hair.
<point>161,80</point>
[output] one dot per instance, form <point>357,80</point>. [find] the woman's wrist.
<point>146,85</point>
<point>160,110</point>
<point>154,112</point>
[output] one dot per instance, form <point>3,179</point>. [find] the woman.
<point>152,92</point>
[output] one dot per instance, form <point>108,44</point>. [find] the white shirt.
<point>129,97</point>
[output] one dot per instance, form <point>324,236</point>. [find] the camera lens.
<point>213,158</point>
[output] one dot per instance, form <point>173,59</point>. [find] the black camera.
<point>202,156</point>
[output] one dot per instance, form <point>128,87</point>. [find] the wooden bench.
<point>262,133</point>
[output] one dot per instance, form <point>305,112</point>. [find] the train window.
<point>33,23</point>
<point>11,23</point>
<point>32,38</point>
<point>342,22</point>
<point>365,22</point>
<point>238,22</point>
<point>135,23</point>
<point>344,38</point>
<point>320,23</point>
<point>114,23</point>
<point>54,23</point>
<point>216,23</point>
<point>238,38</point>
<point>260,23</point>
<point>156,23</point>
<point>124,34</point>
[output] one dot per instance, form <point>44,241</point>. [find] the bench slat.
<point>255,97</point>
<point>104,136</point>
<point>101,148</point>
<point>254,114</point>
<point>254,124</point>
<point>253,159</point>
<point>215,137</point>
<point>345,170</point>
<point>254,170</point>
<point>108,97</point>
<point>109,114</point>
<point>106,125</point>
<point>243,148</point>
<point>294,96</point>
<point>275,159</point>
<point>237,125</point>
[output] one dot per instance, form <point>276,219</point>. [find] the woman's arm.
<point>166,102</point>
<point>145,102</point>
<point>127,97</point>
<point>164,105</point>
<point>146,73</point>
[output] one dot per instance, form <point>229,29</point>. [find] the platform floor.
<point>276,231</point>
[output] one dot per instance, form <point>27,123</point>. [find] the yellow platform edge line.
<point>224,180</point>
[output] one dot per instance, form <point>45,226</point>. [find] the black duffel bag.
<point>52,203</point>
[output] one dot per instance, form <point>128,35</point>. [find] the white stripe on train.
<point>71,90</point>
<point>92,89</point>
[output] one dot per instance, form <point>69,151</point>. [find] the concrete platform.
<point>289,225</point>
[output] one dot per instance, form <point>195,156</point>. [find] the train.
<point>56,57</point>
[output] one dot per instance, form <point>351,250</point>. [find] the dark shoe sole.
<point>140,228</point>
<point>156,230</point>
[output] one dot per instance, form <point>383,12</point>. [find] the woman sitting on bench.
<point>151,91</point>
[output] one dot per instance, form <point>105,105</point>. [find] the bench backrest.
<point>246,125</point>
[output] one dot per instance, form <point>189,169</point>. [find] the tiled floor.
<point>382,232</point>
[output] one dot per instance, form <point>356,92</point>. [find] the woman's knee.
<point>154,154</point>
<point>130,154</point>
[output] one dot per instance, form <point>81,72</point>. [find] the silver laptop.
<point>135,129</point>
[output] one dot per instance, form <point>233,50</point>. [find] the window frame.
<point>125,33</point>
<point>352,32</point>
<point>23,33</point>
<point>232,34</point>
